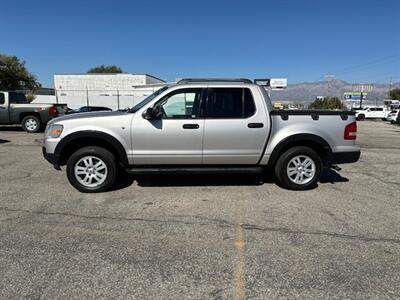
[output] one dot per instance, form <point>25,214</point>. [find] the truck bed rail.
<point>344,115</point>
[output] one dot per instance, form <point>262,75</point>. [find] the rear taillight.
<point>350,132</point>
<point>53,111</point>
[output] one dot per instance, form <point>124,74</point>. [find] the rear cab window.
<point>2,99</point>
<point>230,103</point>
<point>15,97</point>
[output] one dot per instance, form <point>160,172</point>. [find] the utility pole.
<point>390,88</point>
<point>118,99</point>
<point>361,95</point>
<point>362,88</point>
<point>329,78</point>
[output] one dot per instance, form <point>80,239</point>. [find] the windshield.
<point>147,99</point>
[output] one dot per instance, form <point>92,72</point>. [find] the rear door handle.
<point>191,126</point>
<point>255,125</point>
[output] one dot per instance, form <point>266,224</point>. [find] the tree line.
<point>14,74</point>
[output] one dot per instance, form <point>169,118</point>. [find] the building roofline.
<point>141,74</point>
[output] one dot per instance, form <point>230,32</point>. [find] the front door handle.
<point>191,126</point>
<point>255,125</point>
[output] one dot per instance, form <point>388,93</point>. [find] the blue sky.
<point>356,40</point>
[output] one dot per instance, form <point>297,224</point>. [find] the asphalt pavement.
<point>201,237</point>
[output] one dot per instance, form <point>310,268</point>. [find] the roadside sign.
<point>354,96</point>
<point>362,88</point>
<point>278,83</point>
<point>272,83</point>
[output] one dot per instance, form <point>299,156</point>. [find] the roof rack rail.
<point>193,80</point>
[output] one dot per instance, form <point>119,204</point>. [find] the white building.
<point>100,82</point>
<point>110,90</point>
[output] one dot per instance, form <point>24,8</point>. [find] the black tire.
<point>100,153</point>
<point>27,124</point>
<point>361,118</point>
<point>281,166</point>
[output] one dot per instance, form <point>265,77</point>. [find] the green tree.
<point>395,94</point>
<point>14,75</point>
<point>105,69</point>
<point>327,103</point>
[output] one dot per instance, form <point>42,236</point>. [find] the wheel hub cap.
<point>301,169</point>
<point>90,171</point>
<point>31,124</point>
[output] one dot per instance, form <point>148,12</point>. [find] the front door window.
<point>181,104</point>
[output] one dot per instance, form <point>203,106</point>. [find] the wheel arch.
<point>77,140</point>
<point>22,115</point>
<point>312,141</point>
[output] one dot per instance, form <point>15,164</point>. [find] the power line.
<point>360,67</point>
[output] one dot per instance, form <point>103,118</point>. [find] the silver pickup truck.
<point>15,109</point>
<point>201,126</point>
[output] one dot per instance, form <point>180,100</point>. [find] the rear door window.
<point>15,97</point>
<point>230,103</point>
<point>2,99</point>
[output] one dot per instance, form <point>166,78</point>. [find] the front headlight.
<point>54,131</point>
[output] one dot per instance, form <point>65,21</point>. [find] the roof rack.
<point>193,80</point>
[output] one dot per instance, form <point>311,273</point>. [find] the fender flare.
<point>296,139</point>
<point>109,139</point>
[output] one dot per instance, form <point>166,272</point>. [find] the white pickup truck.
<point>201,126</point>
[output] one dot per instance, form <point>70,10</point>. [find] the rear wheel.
<point>31,124</point>
<point>92,169</point>
<point>299,168</point>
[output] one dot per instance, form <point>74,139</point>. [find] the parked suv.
<point>201,126</point>
<point>372,112</point>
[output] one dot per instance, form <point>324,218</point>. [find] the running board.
<point>195,170</point>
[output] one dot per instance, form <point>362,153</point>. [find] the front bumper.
<point>345,157</point>
<point>54,159</point>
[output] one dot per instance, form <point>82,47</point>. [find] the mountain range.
<point>306,92</point>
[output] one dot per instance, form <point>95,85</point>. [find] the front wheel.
<point>299,168</point>
<point>92,170</point>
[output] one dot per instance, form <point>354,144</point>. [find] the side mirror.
<point>152,113</point>
<point>148,114</point>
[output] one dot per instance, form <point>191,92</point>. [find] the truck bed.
<point>327,126</point>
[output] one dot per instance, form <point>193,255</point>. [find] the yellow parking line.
<point>239,267</point>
